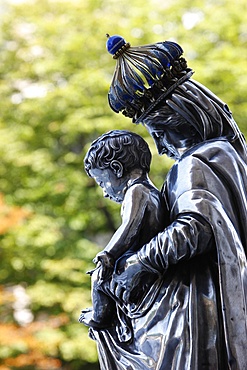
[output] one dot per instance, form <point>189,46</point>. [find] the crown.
<point>144,75</point>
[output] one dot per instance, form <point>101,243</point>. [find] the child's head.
<point>113,156</point>
<point>130,149</point>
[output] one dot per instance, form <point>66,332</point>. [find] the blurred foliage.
<point>54,78</point>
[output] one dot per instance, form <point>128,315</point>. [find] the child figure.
<point>119,161</point>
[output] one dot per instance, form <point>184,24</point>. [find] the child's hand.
<point>106,262</point>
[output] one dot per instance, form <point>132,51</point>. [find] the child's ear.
<point>117,168</point>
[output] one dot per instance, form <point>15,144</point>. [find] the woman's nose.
<point>160,147</point>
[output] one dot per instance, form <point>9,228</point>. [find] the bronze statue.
<point>119,161</point>
<point>194,312</point>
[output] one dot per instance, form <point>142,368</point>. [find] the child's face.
<point>113,187</point>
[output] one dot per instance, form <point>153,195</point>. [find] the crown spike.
<point>116,45</point>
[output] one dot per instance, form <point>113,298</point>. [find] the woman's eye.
<point>156,135</point>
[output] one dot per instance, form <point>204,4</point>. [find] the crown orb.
<point>114,43</point>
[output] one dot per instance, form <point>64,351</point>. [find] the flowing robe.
<point>193,312</point>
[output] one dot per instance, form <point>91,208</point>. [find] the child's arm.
<point>133,209</point>
<point>134,206</point>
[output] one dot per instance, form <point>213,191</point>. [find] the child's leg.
<point>101,314</point>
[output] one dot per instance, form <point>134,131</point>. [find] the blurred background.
<point>54,78</point>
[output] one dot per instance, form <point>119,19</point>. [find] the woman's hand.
<point>130,279</point>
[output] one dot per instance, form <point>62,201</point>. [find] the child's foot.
<point>86,318</point>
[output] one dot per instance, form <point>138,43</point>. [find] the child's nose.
<point>105,194</point>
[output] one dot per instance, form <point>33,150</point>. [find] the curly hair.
<point>130,149</point>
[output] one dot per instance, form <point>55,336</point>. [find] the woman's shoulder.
<point>210,148</point>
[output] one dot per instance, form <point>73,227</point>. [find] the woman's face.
<point>170,139</point>
<point>166,142</point>
<point>170,142</point>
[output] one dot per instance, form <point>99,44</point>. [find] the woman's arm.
<point>188,236</point>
